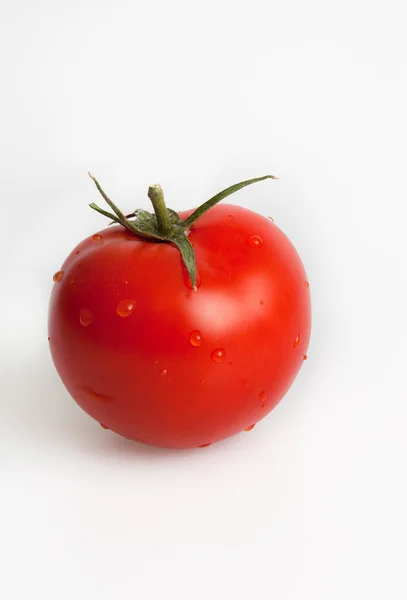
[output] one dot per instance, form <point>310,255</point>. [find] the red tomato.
<point>155,361</point>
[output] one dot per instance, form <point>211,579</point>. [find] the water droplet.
<point>71,281</point>
<point>195,338</point>
<point>58,276</point>
<point>104,426</point>
<point>262,396</point>
<point>163,372</point>
<point>86,317</point>
<point>306,284</point>
<point>77,252</point>
<point>304,357</point>
<point>97,238</point>
<point>202,381</point>
<point>155,362</point>
<point>271,219</point>
<point>255,241</point>
<point>261,302</point>
<point>297,340</point>
<point>97,397</point>
<point>204,445</point>
<point>125,307</point>
<point>250,427</point>
<point>230,217</point>
<point>218,355</point>
<point>49,339</point>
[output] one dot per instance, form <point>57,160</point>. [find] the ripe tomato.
<point>154,360</point>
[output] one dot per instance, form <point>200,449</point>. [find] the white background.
<point>197,96</point>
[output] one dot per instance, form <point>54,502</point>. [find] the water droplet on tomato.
<point>104,426</point>
<point>297,340</point>
<point>86,317</point>
<point>97,397</point>
<point>218,355</point>
<point>271,219</point>
<point>204,445</point>
<point>163,372</point>
<point>304,357</point>
<point>306,283</point>
<point>77,252</point>
<point>97,238</point>
<point>202,381</point>
<point>262,396</point>
<point>255,241</point>
<point>250,427</point>
<point>195,338</point>
<point>71,281</point>
<point>49,339</point>
<point>261,302</point>
<point>125,307</point>
<point>58,276</point>
<point>230,217</point>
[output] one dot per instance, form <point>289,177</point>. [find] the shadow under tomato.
<point>36,410</point>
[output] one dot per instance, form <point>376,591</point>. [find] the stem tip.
<point>155,190</point>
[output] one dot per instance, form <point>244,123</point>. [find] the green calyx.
<point>165,225</point>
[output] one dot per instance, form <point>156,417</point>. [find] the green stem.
<point>112,205</point>
<point>165,225</point>
<point>156,195</point>
<point>215,199</point>
<point>105,213</point>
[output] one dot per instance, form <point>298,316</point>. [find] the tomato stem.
<point>156,195</point>
<point>120,216</point>
<point>165,225</point>
<point>220,196</point>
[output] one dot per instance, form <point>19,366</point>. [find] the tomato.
<point>159,362</point>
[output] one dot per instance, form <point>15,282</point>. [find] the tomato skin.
<point>182,369</point>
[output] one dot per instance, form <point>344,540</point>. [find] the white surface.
<point>312,503</point>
